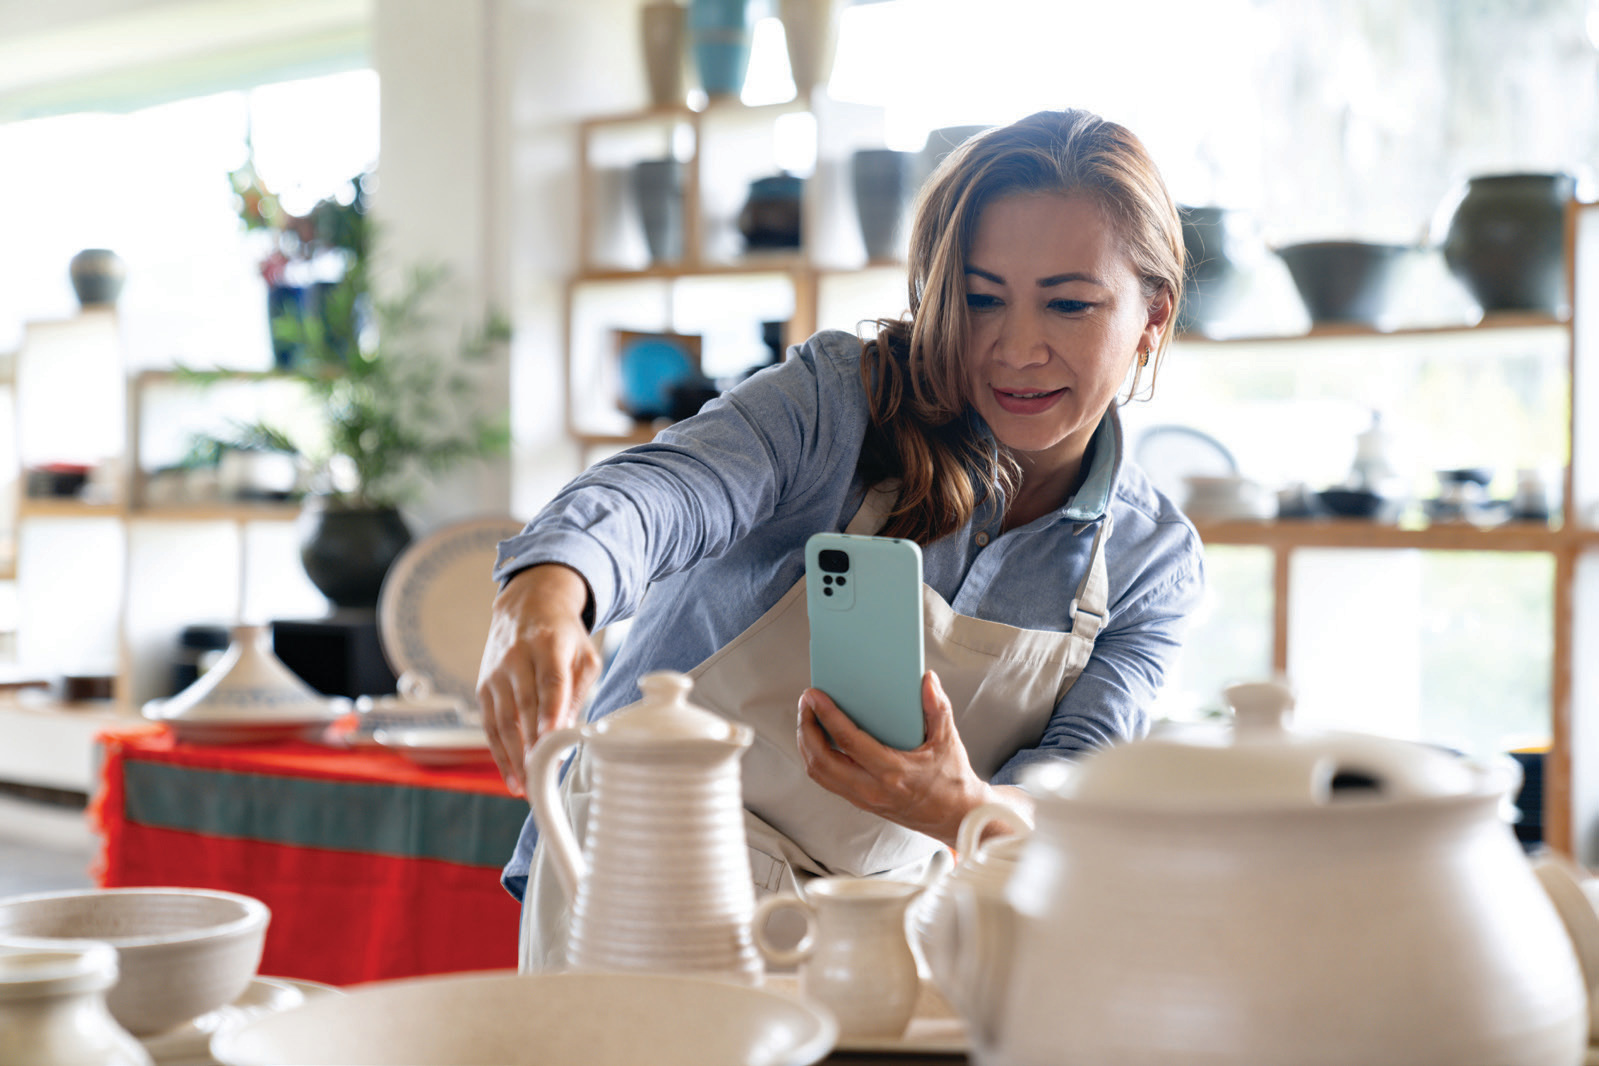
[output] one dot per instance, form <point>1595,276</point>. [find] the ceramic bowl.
<point>552,1019</point>
<point>1354,503</point>
<point>181,951</point>
<point>1343,281</point>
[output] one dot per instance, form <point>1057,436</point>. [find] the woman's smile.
<point>1027,401</point>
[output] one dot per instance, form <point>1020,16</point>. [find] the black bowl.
<point>1353,503</point>
<point>1343,281</point>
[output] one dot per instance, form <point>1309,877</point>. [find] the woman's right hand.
<point>538,664</point>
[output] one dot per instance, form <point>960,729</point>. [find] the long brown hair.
<point>914,368</point>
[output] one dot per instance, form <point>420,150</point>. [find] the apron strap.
<point>1090,608</point>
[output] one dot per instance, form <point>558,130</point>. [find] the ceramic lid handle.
<point>1261,709</point>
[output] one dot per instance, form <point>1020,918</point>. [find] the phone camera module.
<point>834,561</point>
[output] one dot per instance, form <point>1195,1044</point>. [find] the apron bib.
<point>1003,682</point>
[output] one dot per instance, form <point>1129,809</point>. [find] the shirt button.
<point>982,539</point>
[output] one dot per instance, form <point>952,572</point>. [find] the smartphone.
<point>864,602</point>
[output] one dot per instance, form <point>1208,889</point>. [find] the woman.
<point>1045,266</point>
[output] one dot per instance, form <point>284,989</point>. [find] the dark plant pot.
<point>97,275</point>
<point>347,551</point>
<point>1506,241</point>
<point>1343,281</point>
<point>284,301</point>
<point>1211,238</point>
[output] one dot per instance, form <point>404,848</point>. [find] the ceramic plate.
<point>935,1028</point>
<point>437,747</point>
<point>189,1044</point>
<point>433,610</point>
<point>244,731</point>
<point>548,1019</point>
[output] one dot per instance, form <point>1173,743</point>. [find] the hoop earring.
<point>1143,358</point>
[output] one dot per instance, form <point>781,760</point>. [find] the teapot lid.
<point>665,714</point>
<point>1262,761</point>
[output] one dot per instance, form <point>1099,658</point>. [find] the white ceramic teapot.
<point>1261,895</point>
<point>662,882</point>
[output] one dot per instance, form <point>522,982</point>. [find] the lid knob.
<point>1262,710</point>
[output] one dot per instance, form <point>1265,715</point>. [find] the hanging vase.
<point>810,31</point>
<point>721,32</point>
<point>1506,241</point>
<point>663,26</point>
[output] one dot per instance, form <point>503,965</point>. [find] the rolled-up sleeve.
<point>702,484</point>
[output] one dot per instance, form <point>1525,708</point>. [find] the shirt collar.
<point>1105,457</point>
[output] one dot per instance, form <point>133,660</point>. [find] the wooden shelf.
<point>1354,533</point>
<point>217,512</point>
<point>67,507</point>
<point>1338,331</point>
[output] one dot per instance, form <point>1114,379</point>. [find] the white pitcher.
<point>855,958</point>
<point>988,863</point>
<point>662,882</point>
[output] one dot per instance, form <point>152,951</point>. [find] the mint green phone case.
<point>866,631</point>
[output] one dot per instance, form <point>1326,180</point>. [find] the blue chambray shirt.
<point>698,533</point>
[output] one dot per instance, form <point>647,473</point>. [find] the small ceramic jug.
<point>855,958</point>
<point>662,882</point>
<point>53,1010</point>
<point>988,863</point>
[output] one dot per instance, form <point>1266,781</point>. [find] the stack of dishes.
<point>249,696</point>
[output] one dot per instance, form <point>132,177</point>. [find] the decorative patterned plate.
<point>433,610</point>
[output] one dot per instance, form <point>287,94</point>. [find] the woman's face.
<point>1055,316</point>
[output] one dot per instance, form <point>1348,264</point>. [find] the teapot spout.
<point>975,973</point>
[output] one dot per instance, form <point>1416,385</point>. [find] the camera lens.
<point>833,561</point>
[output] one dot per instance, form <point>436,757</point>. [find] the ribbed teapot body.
<point>668,885</point>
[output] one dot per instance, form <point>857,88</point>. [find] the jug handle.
<point>784,956</point>
<point>979,818</point>
<point>1563,880</point>
<point>554,827</point>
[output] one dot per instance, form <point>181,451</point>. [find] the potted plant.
<point>395,405</point>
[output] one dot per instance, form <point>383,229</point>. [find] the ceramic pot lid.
<point>1261,760</point>
<point>248,684</point>
<point>665,714</point>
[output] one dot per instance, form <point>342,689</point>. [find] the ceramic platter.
<point>242,731</point>
<point>447,746</point>
<point>935,1028</point>
<point>189,1044</point>
<point>433,610</point>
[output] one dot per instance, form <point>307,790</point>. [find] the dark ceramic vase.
<point>1506,241</point>
<point>347,551</point>
<point>1213,238</point>
<point>97,275</point>
<point>771,217</point>
<point>1344,281</point>
<point>658,192</point>
<point>882,182</point>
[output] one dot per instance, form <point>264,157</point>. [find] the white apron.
<point>1003,683</point>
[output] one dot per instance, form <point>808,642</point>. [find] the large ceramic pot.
<point>663,33</point>
<point>97,275</point>
<point>1506,241</point>
<point>1216,240</point>
<point>347,551</point>
<point>810,32</point>
<point>1259,895</point>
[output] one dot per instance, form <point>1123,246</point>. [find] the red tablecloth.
<point>373,867</point>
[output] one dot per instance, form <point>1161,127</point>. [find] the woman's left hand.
<point>928,789</point>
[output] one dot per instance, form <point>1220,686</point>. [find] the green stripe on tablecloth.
<point>472,828</point>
